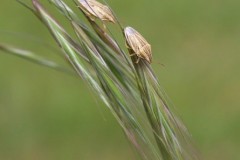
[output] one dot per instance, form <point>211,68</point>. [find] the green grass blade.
<point>32,57</point>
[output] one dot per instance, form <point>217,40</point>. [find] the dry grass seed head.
<point>138,44</point>
<point>94,9</point>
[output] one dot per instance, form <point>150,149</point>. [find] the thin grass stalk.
<point>147,103</point>
<point>63,42</point>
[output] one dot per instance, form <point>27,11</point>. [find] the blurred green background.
<point>46,115</point>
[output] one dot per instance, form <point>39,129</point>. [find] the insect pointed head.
<point>129,30</point>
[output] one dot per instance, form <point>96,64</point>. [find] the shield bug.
<point>136,42</point>
<point>94,9</point>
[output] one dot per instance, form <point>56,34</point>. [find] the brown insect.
<point>93,9</point>
<point>136,42</point>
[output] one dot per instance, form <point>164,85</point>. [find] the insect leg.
<point>132,54</point>
<point>104,27</point>
<point>138,60</point>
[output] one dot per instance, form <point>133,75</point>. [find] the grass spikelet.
<point>130,90</point>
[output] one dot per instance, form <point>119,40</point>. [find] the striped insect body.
<point>136,42</point>
<point>94,9</point>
